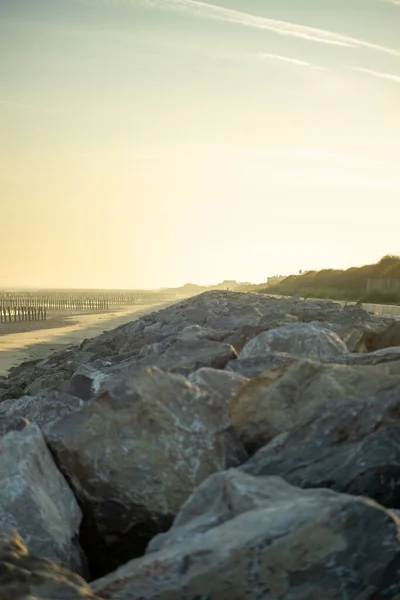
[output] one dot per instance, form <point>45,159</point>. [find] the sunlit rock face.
<point>36,499</point>
<point>248,537</point>
<point>134,454</point>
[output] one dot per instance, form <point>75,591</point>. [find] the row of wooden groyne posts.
<point>33,306</point>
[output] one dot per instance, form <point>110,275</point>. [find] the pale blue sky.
<point>151,142</point>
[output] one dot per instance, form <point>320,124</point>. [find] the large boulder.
<point>245,538</point>
<point>223,384</point>
<point>300,339</point>
<point>36,499</point>
<point>26,577</point>
<point>281,398</point>
<point>349,445</point>
<point>134,454</point>
<point>42,409</point>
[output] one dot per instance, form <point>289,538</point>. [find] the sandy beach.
<point>60,332</point>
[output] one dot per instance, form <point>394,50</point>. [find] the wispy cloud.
<point>395,2</point>
<point>292,61</point>
<point>387,76</point>
<point>286,59</point>
<point>213,11</point>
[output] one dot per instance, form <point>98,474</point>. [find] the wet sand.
<point>60,332</point>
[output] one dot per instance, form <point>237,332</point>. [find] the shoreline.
<point>55,320</point>
<point>63,331</point>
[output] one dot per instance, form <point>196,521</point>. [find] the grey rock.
<point>222,384</point>
<point>184,357</point>
<point>301,340</point>
<point>46,382</point>
<point>282,398</point>
<point>387,339</point>
<point>36,499</point>
<point>256,365</point>
<point>242,538</point>
<point>42,409</point>
<point>386,355</point>
<point>11,424</point>
<point>351,446</point>
<point>133,455</point>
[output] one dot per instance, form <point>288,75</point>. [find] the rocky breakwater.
<point>230,446</point>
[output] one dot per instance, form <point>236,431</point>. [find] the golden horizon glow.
<point>147,145</point>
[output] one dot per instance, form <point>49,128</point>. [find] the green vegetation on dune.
<point>349,284</point>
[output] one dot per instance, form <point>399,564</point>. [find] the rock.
<point>223,384</point>
<point>349,445</point>
<point>11,424</point>
<point>194,332</point>
<point>256,365</point>
<point>42,409</point>
<point>33,377</point>
<point>388,338</point>
<point>46,382</point>
<point>221,498</point>
<point>386,355</point>
<point>134,454</point>
<point>238,338</point>
<point>281,398</point>
<point>184,357</point>
<point>245,538</point>
<point>11,391</point>
<point>351,314</point>
<point>36,499</point>
<point>360,338</point>
<point>308,311</point>
<point>25,577</point>
<point>23,367</point>
<point>80,385</point>
<point>301,340</point>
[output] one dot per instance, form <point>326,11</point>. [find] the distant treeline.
<point>377,283</point>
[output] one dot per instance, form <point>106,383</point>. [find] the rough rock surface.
<point>388,338</point>
<point>133,456</point>
<point>281,398</point>
<point>36,499</point>
<point>303,389</point>
<point>243,538</point>
<point>11,424</point>
<point>194,333</point>
<point>42,409</point>
<point>385,355</point>
<point>26,577</point>
<point>349,445</point>
<point>300,339</point>
<point>251,367</point>
<point>223,384</point>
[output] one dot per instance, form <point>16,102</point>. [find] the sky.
<point>150,143</point>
